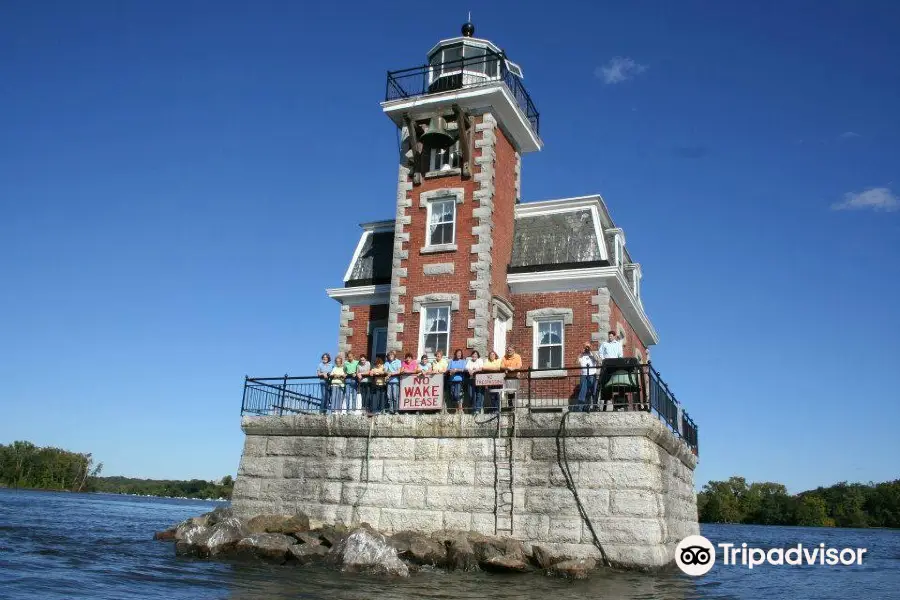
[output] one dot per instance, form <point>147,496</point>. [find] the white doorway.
<point>501,327</point>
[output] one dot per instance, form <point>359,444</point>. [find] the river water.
<point>99,546</point>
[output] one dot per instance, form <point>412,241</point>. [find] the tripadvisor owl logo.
<point>695,555</point>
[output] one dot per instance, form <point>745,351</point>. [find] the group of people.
<point>592,377</point>
<point>351,384</point>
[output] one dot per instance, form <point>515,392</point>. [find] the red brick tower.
<point>466,120</point>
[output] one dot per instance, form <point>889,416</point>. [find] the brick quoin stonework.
<point>364,317</point>
<point>632,345</point>
<point>345,331</point>
<point>476,267</point>
<point>575,335</point>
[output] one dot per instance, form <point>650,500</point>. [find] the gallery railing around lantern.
<point>463,73</point>
<point>621,385</point>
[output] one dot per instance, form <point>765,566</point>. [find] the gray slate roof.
<point>374,262</point>
<point>555,239</point>
<point>549,240</point>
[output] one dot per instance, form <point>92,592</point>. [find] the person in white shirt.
<point>473,366</point>
<point>611,348</point>
<point>588,373</point>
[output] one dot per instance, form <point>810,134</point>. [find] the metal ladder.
<point>504,449</point>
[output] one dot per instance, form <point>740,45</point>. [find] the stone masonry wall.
<point>359,338</point>
<point>631,345</point>
<point>433,472</point>
<point>575,334</point>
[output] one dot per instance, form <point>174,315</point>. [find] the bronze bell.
<point>622,380</point>
<point>436,134</point>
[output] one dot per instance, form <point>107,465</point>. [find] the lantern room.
<point>464,75</point>
<point>465,61</point>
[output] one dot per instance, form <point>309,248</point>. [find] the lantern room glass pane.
<point>453,53</point>
<point>474,59</point>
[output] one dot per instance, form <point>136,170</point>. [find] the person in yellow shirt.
<point>337,376</point>
<point>512,361</point>
<point>439,365</point>
<point>493,362</point>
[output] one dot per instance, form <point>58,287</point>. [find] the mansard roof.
<point>371,263</point>
<point>549,235</point>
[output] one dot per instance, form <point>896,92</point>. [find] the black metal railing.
<point>461,74</point>
<point>625,386</point>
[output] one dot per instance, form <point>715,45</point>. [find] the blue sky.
<point>179,182</point>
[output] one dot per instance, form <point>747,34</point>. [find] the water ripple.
<point>71,546</point>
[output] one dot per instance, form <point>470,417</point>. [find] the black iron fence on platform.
<point>459,74</point>
<point>620,385</point>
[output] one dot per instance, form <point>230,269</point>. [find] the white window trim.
<point>422,313</point>
<point>425,200</point>
<point>429,211</point>
<point>535,333</point>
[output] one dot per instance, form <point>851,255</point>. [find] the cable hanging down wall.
<point>563,462</point>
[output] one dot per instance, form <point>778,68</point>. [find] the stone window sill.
<point>549,374</point>
<point>445,173</point>
<point>438,248</point>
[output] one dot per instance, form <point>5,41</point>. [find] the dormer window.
<point>444,159</point>
<point>441,221</point>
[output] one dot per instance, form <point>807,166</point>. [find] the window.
<point>435,329</point>
<point>379,342</point>
<point>476,61</point>
<point>441,221</point>
<point>548,344</point>
<point>444,159</point>
<point>475,58</point>
<point>452,58</point>
<point>514,69</point>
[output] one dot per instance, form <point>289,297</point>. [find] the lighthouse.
<point>462,263</point>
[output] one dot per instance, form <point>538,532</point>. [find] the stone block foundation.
<point>431,472</point>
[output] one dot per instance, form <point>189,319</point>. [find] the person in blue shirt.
<point>324,373</point>
<point>392,367</point>
<point>456,370</point>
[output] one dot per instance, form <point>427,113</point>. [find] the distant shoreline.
<point>94,492</point>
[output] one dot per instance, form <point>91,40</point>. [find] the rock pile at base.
<point>288,539</point>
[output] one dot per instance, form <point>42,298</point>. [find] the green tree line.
<point>24,465</point>
<point>841,505</point>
